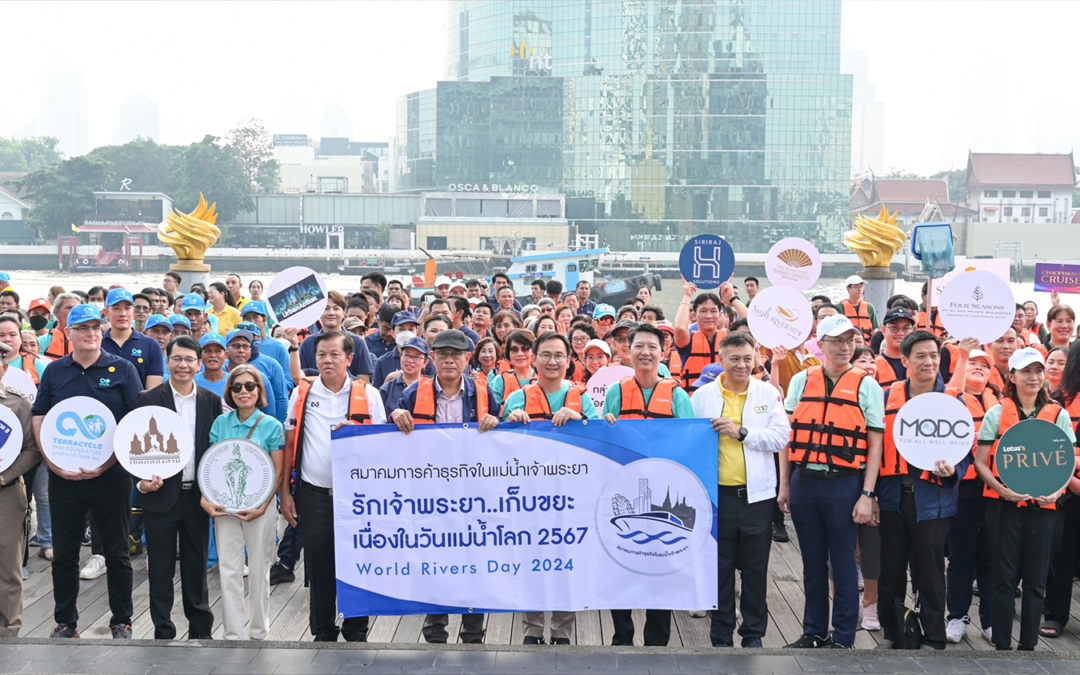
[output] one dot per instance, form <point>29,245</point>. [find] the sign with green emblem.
<point>237,475</point>
<point>1035,458</point>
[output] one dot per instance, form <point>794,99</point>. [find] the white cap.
<point>980,354</point>
<point>599,344</point>
<point>443,281</point>
<point>1025,357</point>
<point>457,283</point>
<point>852,280</point>
<point>475,301</point>
<point>834,326</point>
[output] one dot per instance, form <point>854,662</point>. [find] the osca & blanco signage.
<point>494,187</point>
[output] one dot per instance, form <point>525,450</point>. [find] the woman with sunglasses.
<point>519,352</point>
<point>251,529</point>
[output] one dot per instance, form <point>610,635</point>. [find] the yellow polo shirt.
<point>226,318</point>
<point>732,461</point>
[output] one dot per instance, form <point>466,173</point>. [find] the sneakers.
<point>811,642</point>
<point>137,546</point>
<point>86,537</point>
<point>988,634</point>
<point>279,574</point>
<point>47,553</point>
<point>698,614</point>
<point>34,541</point>
<point>63,631</point>
<point>837,645</point>
<point>560,641</point>
<point>780,533</point>
<point>25,574</point>
<point>957,629</point>
<point>94,568</point>
<point>753,644</point>
<point>870,618</point>
<point>121,631</point>
<point>533,640</point>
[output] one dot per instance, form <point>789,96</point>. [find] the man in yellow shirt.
<point>753,426</point>
<point>227,315</point>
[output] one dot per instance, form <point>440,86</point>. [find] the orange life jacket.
<point>59,347</point>
<point>936,327</point>
<point>830,427</point>
<point>538,408</point>
<point>511,383</point>
<point>860,317</point>
<point>1010,416</point>
<point>996,380</point>
<point>977,406</point>
<point>701,354</point>
<point>674,363</point>
<point>1036,330</point>
<point>30,367</point>
<point>886,374</point>
<point>359,413</point>
<point>892,462</point>
<point>576,373</point>
<point>425,408</point>
<point>661,404</point>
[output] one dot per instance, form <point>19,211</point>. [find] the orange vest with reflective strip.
<point>995,379</point>
<point>886,374</point>
<point>538,408</point>
<point>577,371</point>
<point>674,364</point>
<point>425,407</point>
<point>701,355</point>
<point>30,367</point>
<point>359,413</point>
<point>830,428</point>
<point>937,327</point>
<point>977,406</point>
<point>511,384</point>
<point>59,347</point>
<point>892,462</point>
<point>860,317</point>
<point>661,403</point>
<point>1010,416</point>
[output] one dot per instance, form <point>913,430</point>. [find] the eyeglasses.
<point>896,327</point>
<point>518,349</point>
<point>242,346</point>
<point>141,309</point>
<point>620,339</point>
<point>412,357</point>
<point>849,342</point>
<point>237,387</point>
<point>83,328</point>
<point>447,353</point>
<point>580,340</point>
<point>189,360</point>
<point>551,358</point>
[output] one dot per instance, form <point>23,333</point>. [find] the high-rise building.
<point>657,119</point>
<point>63,108</point>
<point>139,118</point>
<point>867,117</point>
<point>336,123</point>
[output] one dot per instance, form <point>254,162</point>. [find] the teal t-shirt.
<point>269,433</point>
<point>39,364</point>
<point>496,384</point>
<point>680,401</point>
<point>516,401</point>
<point>988,432</point>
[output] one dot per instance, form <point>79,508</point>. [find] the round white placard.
<point>16,378</point>
<point>793,262</point>
<point>933,426</point>
<point>78,434</point>
<point>780,316</point>
<point>11,437</point>
<point>977,304</point>
<point>237,475</point>
<point>153,441</point>
<point>297,297</point>
<point>599,383</point>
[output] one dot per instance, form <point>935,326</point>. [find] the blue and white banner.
<point>525,517</point>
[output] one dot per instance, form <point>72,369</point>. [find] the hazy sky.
<point>990,76</point>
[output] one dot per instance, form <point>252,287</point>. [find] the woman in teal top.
<point>519,354</point>
<point>254,529</point>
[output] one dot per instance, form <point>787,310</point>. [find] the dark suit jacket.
<point>207,409</point>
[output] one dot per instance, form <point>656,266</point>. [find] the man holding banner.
<point>749,416</point>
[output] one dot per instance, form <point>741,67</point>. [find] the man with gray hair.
<point>54,344</point>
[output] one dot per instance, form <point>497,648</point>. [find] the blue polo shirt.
<point>276,394</point>
<point>111,380</point>
<point>268,433</point>
<point>377,346</point>
<point>588,308</point>
<point>361,360</point>
<point>219,389</point>
<point>140,351</point>
<point>391,392</point>
<point>271,348</point>
<point>391,361</point>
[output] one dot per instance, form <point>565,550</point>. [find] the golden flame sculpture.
<point>191,234</point>
<point>876,240</point>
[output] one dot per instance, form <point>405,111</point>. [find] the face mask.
<point>100,305</point>
<point>284,343</point>
<point>255,350</point>
<point>403,337</point>
<point>39,322</point>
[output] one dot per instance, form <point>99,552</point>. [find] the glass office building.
<point>657,119</point>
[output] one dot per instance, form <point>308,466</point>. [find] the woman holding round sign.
<point>247,521</point>
<point>1019,445</point>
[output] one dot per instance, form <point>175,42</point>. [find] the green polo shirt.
<point>269,433</point>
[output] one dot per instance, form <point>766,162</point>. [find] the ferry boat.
<point>571,267</point>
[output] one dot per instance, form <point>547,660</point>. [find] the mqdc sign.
<point>931,427</point>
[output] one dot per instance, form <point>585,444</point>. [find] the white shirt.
<point>325,410</point>
<point>450,409</point>
<point>185,407</point>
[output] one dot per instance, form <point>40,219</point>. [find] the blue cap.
<point>404,316</point>
<point>708,374</point>
<point>180,320</point>
<point>417,343</point>
<point>212,339</point>
<point>192,301</point>
<point>255,306</point>
<point>602,311</point>
<point>84,314</point>
<point>157,320</point>
<point>239,333</point>
<point>5,277</point>
<point>250,327</point>
<point>118,295</point>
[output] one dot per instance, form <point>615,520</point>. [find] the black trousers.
<point>657,627</point>
<point>317,510</point>
<point>187,522</point>
<point>291,544</point>
<point>777,514</point>
<point>109,497</point>
<point>745,540</point>
<point>472,628</point>
<point>1021,543</point>
<point>1060,580</point>
<point>903,535</point>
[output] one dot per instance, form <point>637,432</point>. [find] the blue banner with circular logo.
<point>707,260</point>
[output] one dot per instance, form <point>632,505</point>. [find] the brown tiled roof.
<point>915,191</point>
<point>1054,171</point>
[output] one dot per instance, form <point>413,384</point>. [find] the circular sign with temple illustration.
<point>153,441</point>
<point>237,475</point>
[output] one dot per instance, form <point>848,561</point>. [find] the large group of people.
<point>804,433</point>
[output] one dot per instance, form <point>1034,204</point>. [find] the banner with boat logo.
<point>525,517</point>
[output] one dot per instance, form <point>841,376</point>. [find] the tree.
<point>151,167</point>
<point>28,154</point>
<point>63,193</point>
<point>216,172</point>
<point>901,174</point>
<point>955,178</point>
<point>382,235</point>
<point>255,151</point>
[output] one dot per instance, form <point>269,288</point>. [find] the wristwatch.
<point>869,493</point>
<point>742,434</point>
<point>293,350</point>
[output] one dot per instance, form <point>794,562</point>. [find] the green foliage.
<point>382,235</point>
<point>255,151</point>
<point>215,171</point>
<point>151,167</point>
<point>955,179</point>
<point>29,154</point>
<point>63,193</point>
